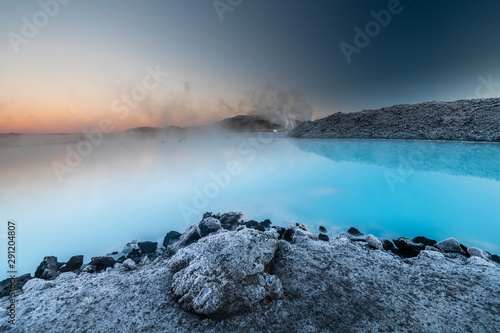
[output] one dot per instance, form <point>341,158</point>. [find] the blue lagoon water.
<point>141,187</point>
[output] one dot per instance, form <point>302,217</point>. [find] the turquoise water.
<point>140,188</point>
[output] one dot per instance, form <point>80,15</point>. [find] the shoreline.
<point>257,276</point>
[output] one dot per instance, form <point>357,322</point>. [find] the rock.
<point>73,264</point>
<point>354,232</point>
<point>288,234</point>
<point>476,252</point>
<point>102,263</point>
<point>374,242</point>
<point>424,240</point>
<point>147,246</point>
<point>88,268</point>
<point>324,237</point>
<point>47,270</point>
<point>208,225</point>
<point>388,245</point>
<point>495,258</point>
<point>225,273</point>
<point>171,237</point>
<point>450,245</point>
<point>230,221</point>
<point>279,230</point>
<point>322,229</point>
<point>190,236</point>
<point>135,255</point>
<point>130,246</point>
<point>301,226</point>
<point>129,264</point>
<point>20,281</point>
<point>464,248</point>
<point>251,223</point>
<point>121,259</point>
<point>407,248</point>
<point>266,224</point>
<point>301,235</point>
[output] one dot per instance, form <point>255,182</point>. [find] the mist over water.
<point>142,186</point>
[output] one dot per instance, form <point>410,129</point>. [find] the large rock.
<point>424,240</point>
<point>450,245</point>
<point>48,268</point>
<point>407,248</point>
<point>101,263</point>
<point>354,232</point>
<point>476,252</point>
<point>209,225</point>
<point>147,246</point>
<point>225,273</point>
<point>73,264</point>
<point>374,242</point>
<point>171,237</point>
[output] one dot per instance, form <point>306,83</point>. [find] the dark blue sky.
<point>91,52</point>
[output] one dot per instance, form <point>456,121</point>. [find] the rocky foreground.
<point>463,120</point>
<point>228,275</point>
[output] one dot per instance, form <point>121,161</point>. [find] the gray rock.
<point>209,225</point>
<point>224,273</point>
<point>301,235</point>
<point>47,270</point>
<point>102,263</point>
<point>129,264</point>
<point>476,252</point>
<point>354,232</point>
<point>450,245</point>
<point>171,237</point>
<point>374,242</point>
<point>407,248</point>
<point>74,263</point>
<point>323,237</point>
<point>147,246</point>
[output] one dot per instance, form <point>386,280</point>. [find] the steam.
<point>284,107</point>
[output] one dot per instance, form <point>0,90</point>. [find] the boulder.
<point>135,255</point>
<point>208,225</point>
<point>495,258</point>
<point>225,273</point>
<point>190,236</point>
<point>476,252</point>
<point>129,264</point>
<point>288,234</point>
<point>171,238</point>
<point>450,245</point>
<point>354,232</point>
<point>374,242</point>
<point>324,237</point>
<point>73,264</point>
<point>301,235</point>
<point>322,229</point>
<point>230,221</point>
<point>20,281</point>
<point>407,248</point>
<point>266,224</point>
<point>424,240</point>
<point>147,246</point>
<point>102,263</point>
<point>387,244</point>
<point>47,270</point>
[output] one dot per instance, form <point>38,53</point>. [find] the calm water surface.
<point>141,187</point>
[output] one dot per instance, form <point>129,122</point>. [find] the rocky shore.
<point>463,120</point>
<point>230,275</point>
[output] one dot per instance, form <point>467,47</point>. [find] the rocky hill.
<point>230,275</point>
<point>463,120</point>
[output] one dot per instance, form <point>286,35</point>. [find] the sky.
<point>72,65</point>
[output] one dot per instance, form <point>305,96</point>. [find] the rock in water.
<point>225,273</point>
<point>147,247</point>
<point>354,232</point>
<point>374,242</point>
<point>322,229</point>
<point>424,240</point>
<point>73,264</point>
<point>388,245</point>
<point>208,225</point>
<point>450,245</point>
<point>171,238</point>
<point>324,237</point>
